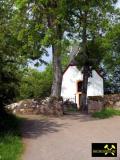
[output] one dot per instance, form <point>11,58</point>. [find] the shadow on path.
<point>33,128</point>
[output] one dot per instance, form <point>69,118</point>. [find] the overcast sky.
<point>48,59</point>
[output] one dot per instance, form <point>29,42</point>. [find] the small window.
<point>79,86</point>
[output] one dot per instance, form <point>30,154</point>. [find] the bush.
<point>106,113</point>
<point>36,84</point>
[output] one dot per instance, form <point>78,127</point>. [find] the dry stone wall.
<point>112,100</point>
<point>97,103</point>
<point>58,107</point>
<point>32,106</point>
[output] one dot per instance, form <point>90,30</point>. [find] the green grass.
<point>106,113</point>
<point>11,146</point>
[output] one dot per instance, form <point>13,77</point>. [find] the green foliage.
<point>111,61</point>
<point>11,146</point>
<point>106,113</point>
<point>11,60</point>
<point>95,54</point>
<point>112,81</point>
<point>93,21</point>
<point>37,24</point>
<point>36,84</point>
<point>27,28</point>
<point>95,16</point>
<point>65,61</point>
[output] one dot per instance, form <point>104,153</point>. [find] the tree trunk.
<point>56,50</point>
<point>84,101</point>
<point>57,72</point>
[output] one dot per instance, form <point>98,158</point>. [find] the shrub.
<point>36,84</point>
<point>106,113</point>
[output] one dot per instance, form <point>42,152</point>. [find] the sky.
<point>118,4</point>
<point>48,59</point>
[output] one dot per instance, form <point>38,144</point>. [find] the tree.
<point>10,59</point>
<point>111,41</point>
<point>37,84</point>
<point>93,22</point>
<point>43,24</point>
<point>111,62</point>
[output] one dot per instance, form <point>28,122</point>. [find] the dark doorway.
<point>79,86</point>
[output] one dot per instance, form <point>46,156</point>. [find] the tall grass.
<point>11,145</point>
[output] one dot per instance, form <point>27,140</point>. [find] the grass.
<point>11,146</point>
<point>106,113</point>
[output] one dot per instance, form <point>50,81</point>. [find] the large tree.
<point>93,19</point>
<point>43,24</point>
<point>48,23</point>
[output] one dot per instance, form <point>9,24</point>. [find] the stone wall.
<point>95,104</point>
<point>112,100</point>
<point>31,106</point>
<point>54,107</point>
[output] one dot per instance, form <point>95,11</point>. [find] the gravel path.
<point>67,138</point>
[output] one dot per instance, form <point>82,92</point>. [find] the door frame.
<point>78,94</point>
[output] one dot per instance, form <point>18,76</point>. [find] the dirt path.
<point>67,138</point>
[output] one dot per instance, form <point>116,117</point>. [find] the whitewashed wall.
<point>95,85</point>
<point>69,86</point>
